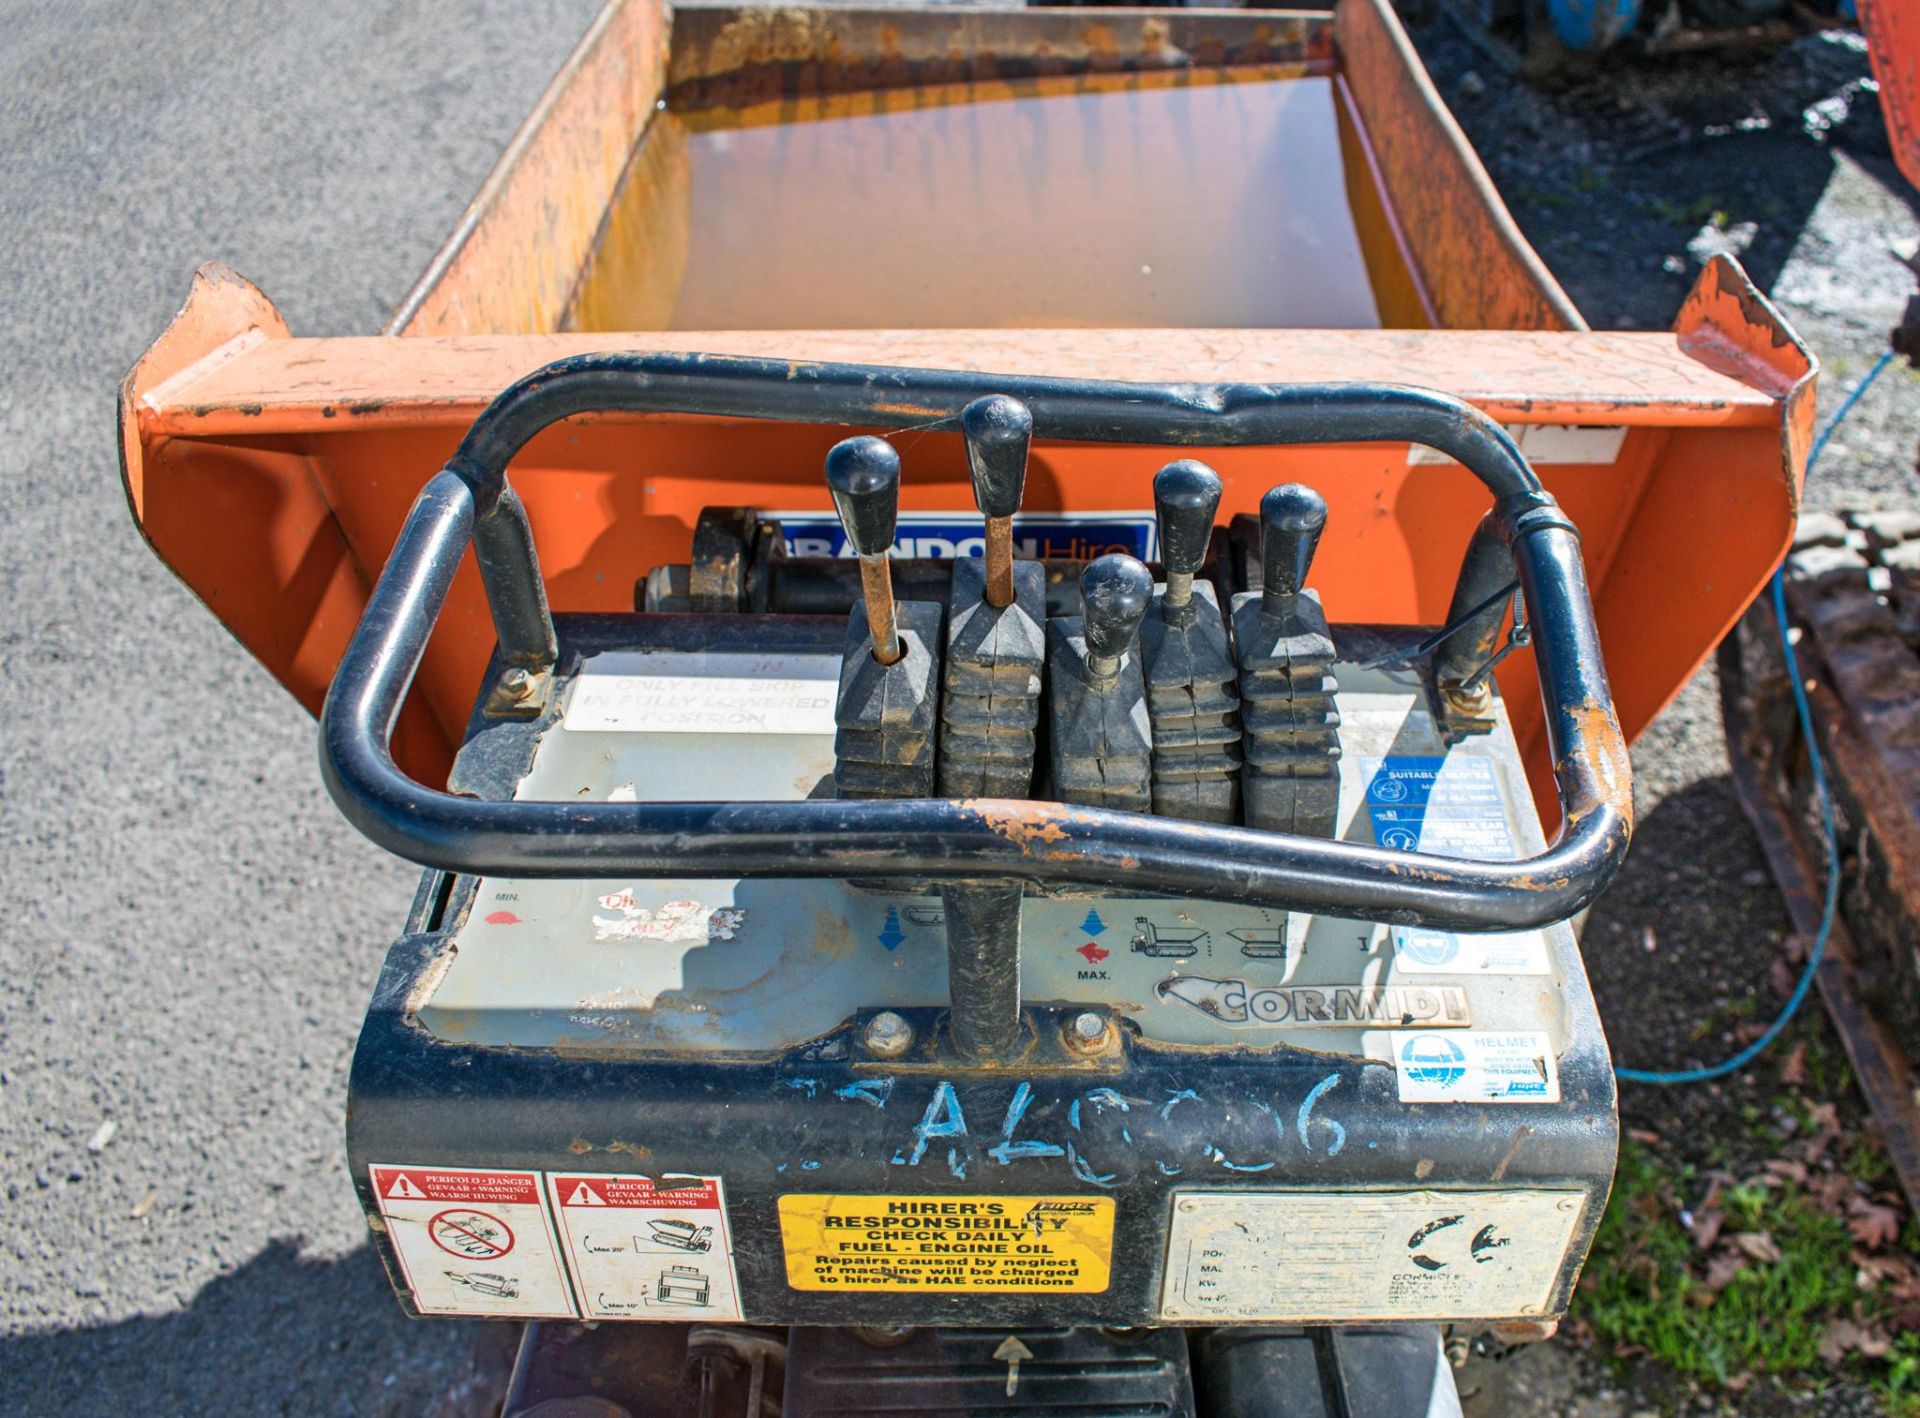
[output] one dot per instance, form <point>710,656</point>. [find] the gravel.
<point>191,931</point>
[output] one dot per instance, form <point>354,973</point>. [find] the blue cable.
<point>1818,770</point>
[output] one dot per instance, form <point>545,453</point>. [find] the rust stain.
<point>1026,825</point>
<point>831,938</point>
<point>580,1147</point>
<point>632,1149</point>
<point>1597,731</point>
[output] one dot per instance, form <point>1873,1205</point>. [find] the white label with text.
<point>647,1248</point>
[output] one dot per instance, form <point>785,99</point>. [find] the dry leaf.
<point>1826,1127</point>
<point>1871,1272</point>
<point>1780,977</point>
<point>1845,1336</point>
<point>1646,1137</point>
<point>1722,1268</point>
<point>1833,1190</point>
<point>144,1205</point>
<point>1705,1227</point>
<point>1788,1170</point>
<point>1793,1072</point>
<point>1756,1246</point>
<point>1873,1225</point>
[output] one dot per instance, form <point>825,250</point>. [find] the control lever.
<point>1190,675</point>
<point>999,432</point>
<point>1186,495</point>
<point>890,673</point>
<point>996,611</point>
<point>1290,781</point>
<point>1102,739</point>
<point>863,475</point>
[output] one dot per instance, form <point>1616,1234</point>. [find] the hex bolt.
<point>1470,700</point>
<point>516,683</point>
<point>1086,1033</point>
<point>1457,1350</point>
<point>888,1035</point>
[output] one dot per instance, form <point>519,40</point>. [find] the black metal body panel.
<point>1230,1119</point>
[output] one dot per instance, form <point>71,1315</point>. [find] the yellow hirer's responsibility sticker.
<point>1062,1244</point>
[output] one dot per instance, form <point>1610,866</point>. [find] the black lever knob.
<point>999,432</point>
<point>1186,494</point>
<point>1115,592</point>
<point>1292,517</point>
<point>864,475</point>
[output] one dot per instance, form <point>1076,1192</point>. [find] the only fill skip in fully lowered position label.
<point>1062,1244</point>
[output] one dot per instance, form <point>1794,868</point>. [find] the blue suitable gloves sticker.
<point>1447,806</point>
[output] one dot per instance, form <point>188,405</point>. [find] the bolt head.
<point>1087,1032</point>
<point>1473,701</point>
<point>516,682</point>
<point>888,1035</point>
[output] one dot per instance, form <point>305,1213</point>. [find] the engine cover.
<point>740,1100</point>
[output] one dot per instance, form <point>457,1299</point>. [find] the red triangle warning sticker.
<point>404,1188</point>
<point>584,1195</point>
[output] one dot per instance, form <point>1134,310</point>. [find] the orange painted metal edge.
<point>260,520</point>
<point>1727,324</point>
<point>1632,378</point>
<point>511,262</point>
<point>224,315</point>
<point>1724,527</point>
<point>744,55</point>
<point>1893,47</point>
<point>1476,265</point>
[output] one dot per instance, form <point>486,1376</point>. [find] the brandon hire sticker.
<point>1062,1244</point>
<point>473,1242</point>
<point>1472,1066</point>
<point>647,1248</point>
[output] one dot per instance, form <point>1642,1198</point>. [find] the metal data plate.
<point>758,966</point>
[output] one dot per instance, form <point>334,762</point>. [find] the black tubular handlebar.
<point>943,839</point>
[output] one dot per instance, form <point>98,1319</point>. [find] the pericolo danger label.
<point>1062,1244</point>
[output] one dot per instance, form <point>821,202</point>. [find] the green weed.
<point>1640,1287</point>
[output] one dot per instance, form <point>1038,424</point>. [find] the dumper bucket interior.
<point>1182,197</point>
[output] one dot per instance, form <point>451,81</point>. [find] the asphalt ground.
<point>188,931</point>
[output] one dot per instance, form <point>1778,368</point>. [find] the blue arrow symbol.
<point>1093,925</point>
<point>890,934</point>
